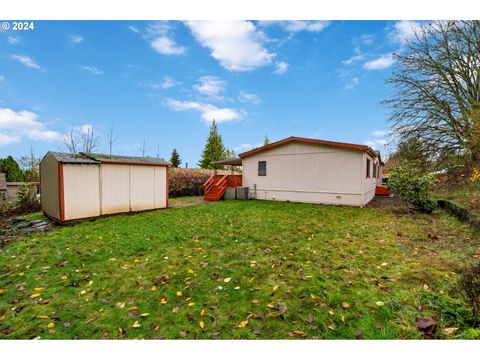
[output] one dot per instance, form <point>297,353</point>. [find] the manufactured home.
<point>305,170</point>
<point>79,186</point>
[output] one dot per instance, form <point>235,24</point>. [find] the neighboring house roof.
<point>83,158</point>
<point>310,141</point>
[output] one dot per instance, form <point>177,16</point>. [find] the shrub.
<point>408,180</point>
<point>469,285</point>
<point>27,200</point>
<point>187,183</point>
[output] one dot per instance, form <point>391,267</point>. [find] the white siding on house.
<point>81,190</point>
<point>306,172</point>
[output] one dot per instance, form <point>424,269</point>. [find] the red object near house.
<point>382,191</point>
<point>216,186</point>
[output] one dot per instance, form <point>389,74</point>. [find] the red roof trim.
<point>305,140</point>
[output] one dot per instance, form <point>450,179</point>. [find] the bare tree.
<point>436,83</point>
<point>71,140</point>
<point>112,139</point>
<point>89,139</point>
<point>30,165</point>
<point>143,148</point>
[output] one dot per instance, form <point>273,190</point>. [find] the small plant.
<point>415,186</point>
<point>469,285</point>
<point>27,198</point>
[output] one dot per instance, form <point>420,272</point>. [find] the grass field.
<point>240,270</point>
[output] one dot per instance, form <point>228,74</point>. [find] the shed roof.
<point>84,158</point>
<point>307,140</point>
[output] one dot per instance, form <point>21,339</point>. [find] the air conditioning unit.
<point>242,193</point>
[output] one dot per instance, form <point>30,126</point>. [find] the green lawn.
<point>239,270</point>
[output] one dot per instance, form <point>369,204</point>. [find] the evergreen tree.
<point>11,169</point>
<point>266,140</point>
<point>214,149</point>
<point>175,158</point>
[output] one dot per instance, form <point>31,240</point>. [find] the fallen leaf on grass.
<point>215,335</point>
<point>175,309</point>
<point>202,324</point>
<point>153,288</point>
<point>227,280</point>
<point>309,318</point>
<point>41,317</point>
<point>449,331</point>
<point>271,305</point>
<point>33,296</point>
<point>67,324</point>
<point>132,308</point>
<point>136,325</point>
<point>120,305</point>
<point>51,325</point>
<point>163,301</point>
<point>426,325</point>
<point>345,305</point>
<point>297,333</point>
<point>144,314</point>
<point>202,312</point>
<point>243,323</point>
<point>2,291</point>
<point>90,320</point>
<point>183,334</point>
<point>379,303</point>
<point>38,288</point>
<point>121,333</point>
<point>275,287</point>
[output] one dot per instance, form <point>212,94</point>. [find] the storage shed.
<point>80,186</point>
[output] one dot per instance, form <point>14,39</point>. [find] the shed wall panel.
<point>81,191</point>
<point>142,187</point>
<point>115,188</point>
<point>49,186</point>
<point>160,187</point>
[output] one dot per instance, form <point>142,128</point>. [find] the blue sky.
<point>163,82</point>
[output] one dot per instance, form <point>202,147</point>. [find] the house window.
<point>374,170</point>
<point>368,168</point>
<point>262,168</point>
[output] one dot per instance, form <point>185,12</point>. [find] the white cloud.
<point>133,29</point>
<point>249,97</point>
<point>208,112</point>
<point>158,34</point>
<point>167,46</point>
<point>237,45</point>
<point>13,39</point>
<point>27,61</point>
<point>211,86</point>
<point>403,31</point>
<point>299,25</point>
<point>367,39</point>
<point>242,148</point>
<point>353,83</point>
<point>380,63</point>
<point>74,39</point>
<point>14,126</point>
<point>91,69</point>
<point>379,133</point>
<point>353,59</point>
<point>166,84</point>
<point>281,67</point>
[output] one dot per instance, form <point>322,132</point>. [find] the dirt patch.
<point>187,203</point>
<point>393,202</point>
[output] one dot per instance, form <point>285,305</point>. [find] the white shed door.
<point>81,191</point>
<point>115,185</point>
<point>142,187</point>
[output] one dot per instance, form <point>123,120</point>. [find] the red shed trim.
<point>61,200</point>
<point>306,140</point>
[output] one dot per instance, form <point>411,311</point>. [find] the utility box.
<point>230,194</point>
<point>242,193</point>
